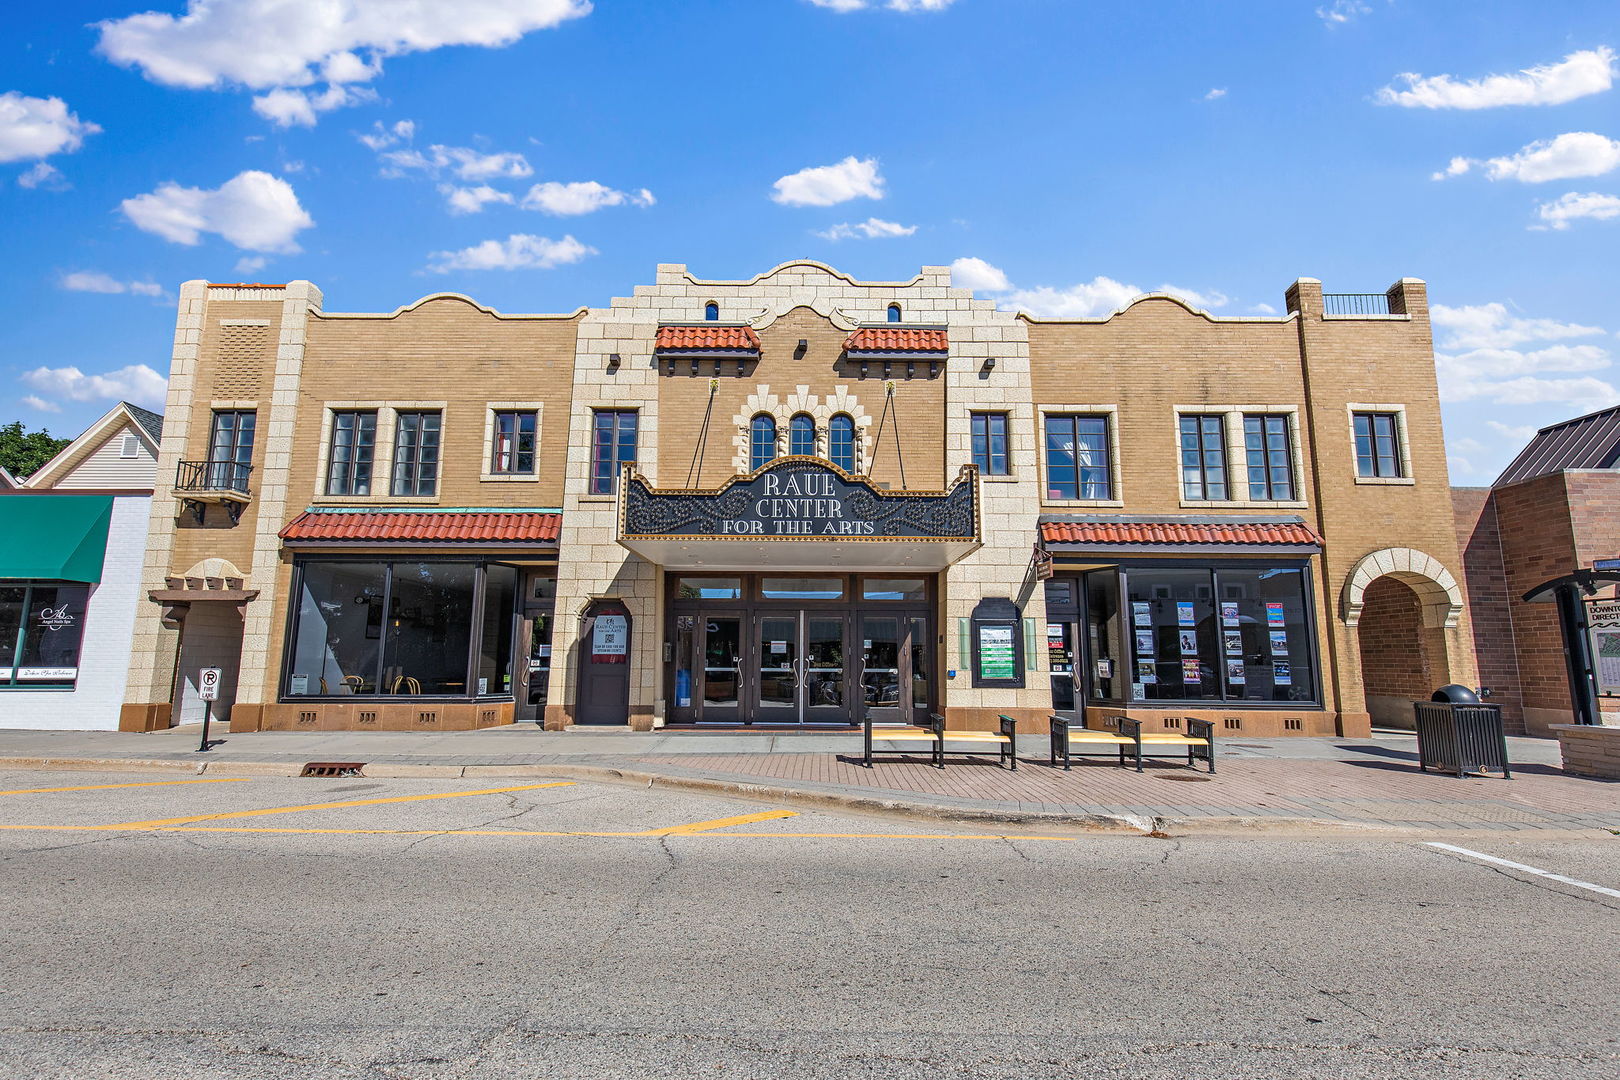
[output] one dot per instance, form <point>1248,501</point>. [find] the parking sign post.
<point>208,690</point>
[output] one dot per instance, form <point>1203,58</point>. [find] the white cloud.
<point>974,273</point>
<point>43,174</point>
<point>1585,393</point>
<point>1574,206</point>
<point>1215,94</point>
<point>381,138</point>
<point>472,200</point>
<point>1590,71</point>
<point>1513,433</point>
<point>137,383</point>
<point>33,127</point>
<point>248,265</point>
<point>580,197</point>
<point>95,281</point>
<point>1482,362</point>
<point>1573,154</point>
<point>1099,296</point>
<point>1262,309</point>
<point>519,251</point>
<point>463,161</point>
<point>280,46</point>
<point>253,210</point>
<point>870,229</point>
<point>1489,326</point>
<point>1206,301</point>
<point>1342,11</point>
<point>828,185</point>
<point>34,401</point>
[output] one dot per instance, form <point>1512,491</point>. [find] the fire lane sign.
<point>208,684</point>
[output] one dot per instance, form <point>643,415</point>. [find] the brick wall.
<point>1395,668</point>
<point>1490,602</point>
<point>1538,544</point>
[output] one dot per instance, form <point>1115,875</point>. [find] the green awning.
<point>54,537</point>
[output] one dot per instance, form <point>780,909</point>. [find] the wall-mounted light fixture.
<point>989,363</point>
<point>613,362</point>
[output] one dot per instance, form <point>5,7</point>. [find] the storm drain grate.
<point>333,768</point>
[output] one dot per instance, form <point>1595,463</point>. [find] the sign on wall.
<point>1603,629</point>
<point>610,640</point>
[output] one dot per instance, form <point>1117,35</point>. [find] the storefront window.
<point>717,588</point>
<point>1175,644</point>
<point>1102,632</point>
<point>500,619</point>
<point>429,629</point>
<point>795,588</point>
<point>338,639</point>
<point>12,599</point>
<point>41,631</point>
<point>1265,633</point>
<point>894,589</point>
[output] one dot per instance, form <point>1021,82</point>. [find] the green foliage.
<point>23,452</point>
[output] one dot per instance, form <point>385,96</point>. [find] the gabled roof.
<point>707,337</point>
<point>148,426</point>
<point>7,481</point>
<point>149,421</point>
<point>898,339</point>
<point>523,527</point>
<point>1586,442</point>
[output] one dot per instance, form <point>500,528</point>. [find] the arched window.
<point>894,312</point>
<point>761,441</point>
<point>802,435</point>
<point>841,441</point>
<point>711,312</point>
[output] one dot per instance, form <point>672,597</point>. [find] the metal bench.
<point>934,735</point>
<point>1067,735</point>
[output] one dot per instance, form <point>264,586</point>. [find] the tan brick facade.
<point>276,352</point>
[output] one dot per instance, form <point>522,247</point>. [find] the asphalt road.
<point>474,936</point>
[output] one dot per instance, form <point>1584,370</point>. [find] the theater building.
<point>794,501</point>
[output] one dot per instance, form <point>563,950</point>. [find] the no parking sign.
<point>208,684</point>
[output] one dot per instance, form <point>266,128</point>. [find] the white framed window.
<point>1239,456</point>
<point>1380,452</point>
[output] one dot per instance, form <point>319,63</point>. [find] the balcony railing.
<point>206,476</point>
<point>1362,304</point>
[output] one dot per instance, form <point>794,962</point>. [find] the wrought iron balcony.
<point>199,483</point>
<point>1352,304</point>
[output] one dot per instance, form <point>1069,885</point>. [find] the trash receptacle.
<point>1458,734</point>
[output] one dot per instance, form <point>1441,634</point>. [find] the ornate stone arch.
<point>783,408</point>
<point>1437,590</point>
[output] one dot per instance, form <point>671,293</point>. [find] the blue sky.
<point>542,154</point>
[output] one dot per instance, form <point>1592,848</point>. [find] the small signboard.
<point>208,683</point>
<point>1603,626</point>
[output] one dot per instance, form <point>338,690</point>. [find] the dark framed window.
<point>416,454</point>
<point>841,441</point>
<point>761,441</point>
<point>894,312</point>
<point>613,446</point>
<point>1270,458</point>
<point>711,311</point>
<point>513,443</point>
<point>990,442</point>
<point>432,628</point>
<point>350,455</point>
<point>1378,446</point>
<point>41,633</point>
<point>230,449</point>
<point>802,435</point>
<point>1077,464</point>
<point>1203,457</point>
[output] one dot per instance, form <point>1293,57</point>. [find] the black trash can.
<point>1456,733</point>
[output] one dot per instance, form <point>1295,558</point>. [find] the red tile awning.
<point>1173,533</point>
<point>707,337</point>
<point>420,527</point>
<point>896,339</point>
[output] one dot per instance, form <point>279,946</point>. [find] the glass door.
<point>823,669</point>
<point>719,690</point>
<point>1060,644</point>
<point>918,654</point>
<point>880,668</point>
<point>776,656</point>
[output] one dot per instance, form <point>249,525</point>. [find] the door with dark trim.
<point>604,665</point>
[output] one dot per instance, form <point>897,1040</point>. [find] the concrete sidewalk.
<point>1367,783</point>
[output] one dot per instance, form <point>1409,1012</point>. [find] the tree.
<point>23,452</point>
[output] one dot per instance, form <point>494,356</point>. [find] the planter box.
<point>1589,750</point>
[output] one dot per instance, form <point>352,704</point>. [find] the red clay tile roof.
<point>477,527</point>
<point>897,339</point>
<point>730,338</point>
<point>1168,532</point>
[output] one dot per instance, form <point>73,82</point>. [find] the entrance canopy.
<point>800,513</point>
<point>54,537</point>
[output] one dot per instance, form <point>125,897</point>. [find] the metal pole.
<point>1583,698</point>
<point>208,714</point>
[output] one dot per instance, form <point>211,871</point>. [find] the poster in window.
<point>996,659</point>
<point>1146,673</point>
<point>1282,673</point>
<point>1190,672</point>
<point>610,640</point>
<point>1235,672</point>
<point>1185,615</point>
<point>1603,628</point>
<point>1229,613</point>
<point>1144,642</point>
<point>1275,616</point>
<point>1279,643</point>
<point>1234,642</point>
<point>1141,613</point>
<point>1189,643</point>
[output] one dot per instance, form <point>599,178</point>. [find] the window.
<point>514,442</point>
<point>841,441</point>
<point>894,312</point>
<point>416,454</point>
<point>230,450</point>
<point>990,443</point>
<point>802,435</point>
<point>801,588</point>
<point>894,589</point>
<point>41,630</point>
<point>708,588</point>
<point>348,463</point>
<point>711,312</point>
<point>1270,457</point>
<point>1203,458</point>
<point>1378,450</point>
<point>1077,457</point>
<point>761,441</point>
<point>613,446</point>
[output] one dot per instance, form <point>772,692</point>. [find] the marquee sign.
<point>800,498</point>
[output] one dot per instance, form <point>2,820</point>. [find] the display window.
<point>41,634</point>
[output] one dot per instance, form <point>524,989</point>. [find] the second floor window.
<point>613,446</point>
<point>841,441</point>
<point>1270,458</point>
<point>1077,458</point>
<point>416,454</point>
<point>761,442</point>
<point>990,443</point>
<point>802,435</point>
<point>354,446</point>
<point>230,450</point>
<point>1203,458</point>
<point>1378,449</point>
<point>514,443</point>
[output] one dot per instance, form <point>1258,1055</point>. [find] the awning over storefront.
<point>54,537</point>
<point>1173,534</point>
<point>458,528</point>
<point>800,513</point>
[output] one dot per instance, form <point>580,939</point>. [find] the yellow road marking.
<point>158,823</point>
<point>528,833</point>
<point>148,783</point>
<point>721,823</point>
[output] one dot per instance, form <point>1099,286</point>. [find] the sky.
<point>1063,155</point>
